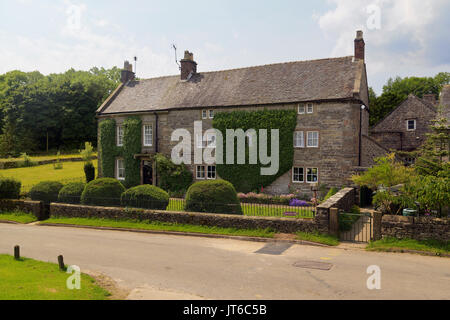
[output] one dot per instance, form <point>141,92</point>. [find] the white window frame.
<point>199,142</point>
<point>308,106</point>
<point>308,140</point>
<point>197,171</point>
<point>407,124</point>
<point>211,114</point>
<point>118,169</point>
<point>303,175</point>
<point>119,137</point>
<point>146,143</point>
<point>302,145</point>
<point>307,175</point>
<point>204,114</point>
<point>207,172</point>
<point>301,106</point>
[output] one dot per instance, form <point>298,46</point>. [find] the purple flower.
<point>298,203</point>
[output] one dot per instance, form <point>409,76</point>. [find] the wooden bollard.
<point>62,267</point>
<point>17,252</point>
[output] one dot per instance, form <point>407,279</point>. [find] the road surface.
<point>178,267</point>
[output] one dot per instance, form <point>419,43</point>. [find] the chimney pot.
<point>127,73</point>
<point>188,65</point>
<point>360,46</point>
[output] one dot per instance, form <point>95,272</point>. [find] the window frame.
<point>415,125</point>
<point>211,112</point>
<point>308,105</point>
<point>295,139</point>
<point>301,105</point>
<point>311,168</point>
<point>205,114</point>
<point>208,135</point>
<point>307,139</point>
<point>197,171</point>
<point>144,135</point>
<point>207,172</point>
<point>118,161</point>
<point>119,135</point>
<point>303,175</point>
<point>197,140</point>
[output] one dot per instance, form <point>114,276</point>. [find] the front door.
<point>147,173</point>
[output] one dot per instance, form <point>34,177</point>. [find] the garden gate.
<point>356,227</point>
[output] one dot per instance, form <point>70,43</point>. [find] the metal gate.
<point>356,227</point>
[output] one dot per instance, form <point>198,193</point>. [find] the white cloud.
<point>413,33</point>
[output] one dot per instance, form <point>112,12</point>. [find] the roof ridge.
<point>253,67</point>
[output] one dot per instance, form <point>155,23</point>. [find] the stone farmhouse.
<point>330,97</point>
<point>405,128</point>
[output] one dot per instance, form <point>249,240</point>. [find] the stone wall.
<point>419,228</point>
<point>371,149</point>
<point>34,207</point>
<point>344,200</point>
<point>283,225</point>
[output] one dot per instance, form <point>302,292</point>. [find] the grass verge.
<point>392,244</point>
<point>162,226</point>
<point>28,279</point>
<point>18,216</point>
<point>318,237</point>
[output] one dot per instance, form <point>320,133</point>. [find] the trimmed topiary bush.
<point>46,191</point>
<point>9,188</point>
<point>71,193</point>
<point>146,197</point>
<point>102,192</point>
<point>89,171</point>
<point>215,196</point>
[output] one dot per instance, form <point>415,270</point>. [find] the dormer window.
<point>411,125</point>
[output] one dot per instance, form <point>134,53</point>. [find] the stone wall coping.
<point>333,201</point>
<point>415,220</point>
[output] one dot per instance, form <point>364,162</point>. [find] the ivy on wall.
<point>109,151</point>
<point>247,177</point>
<point>172,177</point>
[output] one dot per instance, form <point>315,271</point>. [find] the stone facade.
<point>421,228</point>
<point>393,132</point>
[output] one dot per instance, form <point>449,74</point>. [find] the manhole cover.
<point>313,265</point>
<point>274,248</point>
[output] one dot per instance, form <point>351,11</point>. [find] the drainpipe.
<point>360,134</point>
<point>155,174</point>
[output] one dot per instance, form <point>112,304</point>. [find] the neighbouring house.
<point>444,101</point>
<point>330,97</point>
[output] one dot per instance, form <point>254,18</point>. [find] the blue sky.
<point>410,37</point>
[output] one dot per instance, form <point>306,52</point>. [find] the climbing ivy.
<point>109,151</point>
<point>132,145</point>
<point>172,177</point>
<point>246,177</point>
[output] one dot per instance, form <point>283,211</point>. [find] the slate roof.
<point>301,81</point>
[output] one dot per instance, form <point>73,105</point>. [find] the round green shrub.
<point>71,193</point>
<point>214,196</point>
<point>46,191</point>
<point>9,188</point>
<point>102,192</point>
<point>146,197</point>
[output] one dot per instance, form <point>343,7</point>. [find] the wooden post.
<point>62,267</point>
<point>17,253</point>
<point>334,222</point>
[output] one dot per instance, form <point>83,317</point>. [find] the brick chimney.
<point>360,46</point>
<point>430,98</point>
<point>127,73</point>
<point>188,66</point>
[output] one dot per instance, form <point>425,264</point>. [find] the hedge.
<point>247,177</point>
<point>145,197</point>
<point>46,191</point>
<point>9,188</point>
<point>71,193</point>
<point>102,192</point>
<point>214,196</point>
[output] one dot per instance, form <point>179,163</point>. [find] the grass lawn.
<point>250,209</point>
<point>387,244</point>
<point>318,237</point>
<point>34,280</point>
<point>18,216</point>
<point>161,226</point>
<point>45,158</point>
<point>72,171</point>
